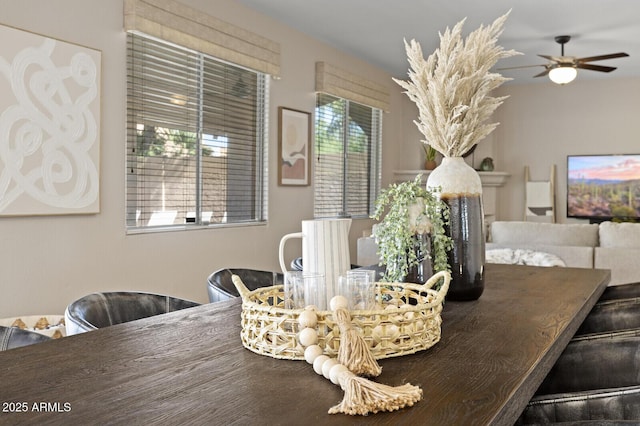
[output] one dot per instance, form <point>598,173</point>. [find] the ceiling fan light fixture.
<point>563,74</point>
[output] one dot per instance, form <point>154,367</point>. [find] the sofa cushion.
<point>575,257</point>
<point>522,257</point>
<point>623,263</point>
<point>533,233</point>
<point>619,235</point>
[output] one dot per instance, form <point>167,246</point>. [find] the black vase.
<point>423,270</point>
<point>461,189</point>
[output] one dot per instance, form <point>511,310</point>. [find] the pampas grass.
<point>452,87</point>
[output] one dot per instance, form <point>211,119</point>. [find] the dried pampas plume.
<point>451,88</point>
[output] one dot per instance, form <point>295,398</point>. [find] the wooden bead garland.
<point>362,396</point>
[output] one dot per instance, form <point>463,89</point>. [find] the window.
<point>195,138</point>
<point>347,155</point>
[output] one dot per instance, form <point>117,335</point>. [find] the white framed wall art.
<point>49,125</point>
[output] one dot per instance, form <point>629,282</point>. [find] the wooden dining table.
<point>190,368</point>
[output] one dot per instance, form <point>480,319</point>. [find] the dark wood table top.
<point>189,367</point>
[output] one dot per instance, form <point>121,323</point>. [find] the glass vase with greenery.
<point>411,211</point>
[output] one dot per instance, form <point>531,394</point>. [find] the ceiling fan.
<point>563,69</point>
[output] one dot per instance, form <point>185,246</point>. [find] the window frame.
<point>259,159</point>
<point>374,172</point>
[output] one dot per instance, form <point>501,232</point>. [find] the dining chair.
<point>14,337</point>
<point>622,291</point>
<point>220,286</point>
<point>595,379</point>
<point>612,316</point>
<point>99,310</point>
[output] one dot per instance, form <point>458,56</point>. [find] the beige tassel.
<point>362,396</point>
<point>354,353</point>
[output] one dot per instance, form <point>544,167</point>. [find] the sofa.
<point>573,243</point>
<point>608,245</point>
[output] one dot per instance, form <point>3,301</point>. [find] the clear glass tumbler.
<point>358,286</point>
<point>302,289</point>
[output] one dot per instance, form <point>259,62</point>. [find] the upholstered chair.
<point>220,286</point>
<point>14,337</point>
<point>612,316</point>
<point>622,291</point>
<point>98,310</point>
<point>596,379</point>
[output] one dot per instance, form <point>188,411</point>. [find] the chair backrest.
<point>99,310</point>
<point>622,291</point>
<point>612,316</point>
<point>595,381</point>
<point>220,286</point>
<point>598,363</point>
<point>14,337</point>
<point>619,406</point>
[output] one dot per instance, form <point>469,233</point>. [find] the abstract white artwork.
<point>49,125</point>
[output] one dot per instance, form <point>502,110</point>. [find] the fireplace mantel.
<point>489,179</point>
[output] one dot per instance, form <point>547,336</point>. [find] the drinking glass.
<point>304,288</point>
<point>358,286</point>
<point>315,292</point>
<point>293,290</point>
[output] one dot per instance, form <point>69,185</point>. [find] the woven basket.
<point>407,320</point>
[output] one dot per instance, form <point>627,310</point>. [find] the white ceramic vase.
<point>460,188</point>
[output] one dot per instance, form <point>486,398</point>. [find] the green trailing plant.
<point>411,210</point>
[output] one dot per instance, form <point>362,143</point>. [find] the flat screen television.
<point>603,187</point>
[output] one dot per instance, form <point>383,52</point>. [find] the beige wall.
<point>542,123</point>
<point>49,261</point>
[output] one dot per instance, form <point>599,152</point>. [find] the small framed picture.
<point>294,147</point>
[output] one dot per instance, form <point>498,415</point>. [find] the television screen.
<point>603,187</point>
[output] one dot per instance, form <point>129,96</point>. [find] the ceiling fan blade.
<point>595,67</point>
<point>552,58</point>
<point>602,57</point>
<point>543,73</point>
<point>522,66</point>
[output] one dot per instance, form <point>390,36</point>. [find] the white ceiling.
<point>373,30</point>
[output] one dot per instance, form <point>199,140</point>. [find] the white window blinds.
<point>347,157</point>
<point>195,138</point>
